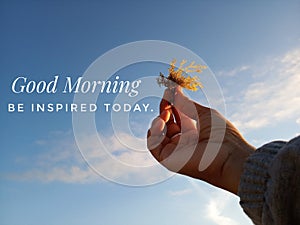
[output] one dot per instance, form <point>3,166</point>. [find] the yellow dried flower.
<point>177,77</point>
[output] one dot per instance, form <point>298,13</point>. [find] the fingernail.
<point>168,107</point>
<point>165,115</point>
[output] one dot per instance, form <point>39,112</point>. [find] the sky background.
<point>253,48</point>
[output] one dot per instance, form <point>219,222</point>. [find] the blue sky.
<point>253,48</point>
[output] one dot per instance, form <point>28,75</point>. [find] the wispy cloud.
<point>73,174</point>
<point>181,192</point>
<point>218,206</point>
<point>273,96</point>
<point>58,160</point>
<point>234,72</point>
<point>62,161</point>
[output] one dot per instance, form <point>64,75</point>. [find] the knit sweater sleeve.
<point>267,175</point>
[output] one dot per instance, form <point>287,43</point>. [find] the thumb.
<point>185,105</point>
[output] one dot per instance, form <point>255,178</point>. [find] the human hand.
<point>197,141</point>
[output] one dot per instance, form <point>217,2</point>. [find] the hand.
<point>197,141</point>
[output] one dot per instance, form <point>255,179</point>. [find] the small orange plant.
<point>181,77</point>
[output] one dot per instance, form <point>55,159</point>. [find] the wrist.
<point>234,166</point>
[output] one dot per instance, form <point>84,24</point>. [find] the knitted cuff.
<point>254,179</point>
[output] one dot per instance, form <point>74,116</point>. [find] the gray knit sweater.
<point>269,189</point>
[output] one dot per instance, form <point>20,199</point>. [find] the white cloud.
<point>62,161</point>
<point>298,121</point>
<point>180,192</point>
<point>233,72</point>
<point>215,208</point>
<point>274,96</point>
<point>218,206</point>
<point>73,174</point>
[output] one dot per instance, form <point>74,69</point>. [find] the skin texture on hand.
<point>197,141</point>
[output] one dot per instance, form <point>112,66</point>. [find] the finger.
<point>179,150</point>
<point>165,102</point>
<point>168,97</point>
<point>165,115</point>
<point>172,129</point>
<point>164,105</point>
<point>167,151</point>
<point>176,116</point>
<point>148,133</point>
<point>187,123</point>
<point>183,104</point>
<point>156,133</point>
<point>156,145</point>
<point>165,110</point>
<point>157,127</point>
